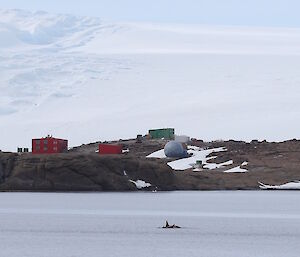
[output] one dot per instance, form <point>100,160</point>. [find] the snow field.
<point>64,75</point>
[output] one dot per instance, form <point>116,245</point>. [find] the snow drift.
<point>294,185</point>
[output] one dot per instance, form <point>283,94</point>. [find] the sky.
<point>259,13</point>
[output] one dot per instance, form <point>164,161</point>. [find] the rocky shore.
<point>82,169</point>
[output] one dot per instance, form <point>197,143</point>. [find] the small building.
<point>49,145</point>
<point>22,150</point>
<point>139,139</point>
<point>182,139</point>
<point>166,133</point>
<point>110,149</point>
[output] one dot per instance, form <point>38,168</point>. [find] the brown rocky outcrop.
<point>84,170</point>
<point>80,172</point>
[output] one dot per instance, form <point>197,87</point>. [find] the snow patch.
<point>192,147</point>
<point>140,183</point>
<point>237,169</point>
<point>213,166</point>
<point>295,185</point>
<point>160,154</point>
<point>187,163</point>
<point>202,155</point>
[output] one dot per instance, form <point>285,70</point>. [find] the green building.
<point>166,133</point>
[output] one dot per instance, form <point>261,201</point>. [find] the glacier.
<point>86,79</point>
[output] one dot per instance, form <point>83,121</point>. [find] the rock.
<point>83,172</point>
<point>1,172</point>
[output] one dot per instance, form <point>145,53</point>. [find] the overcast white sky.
<point>284,13</point>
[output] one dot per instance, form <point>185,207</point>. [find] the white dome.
<point>175,150</point>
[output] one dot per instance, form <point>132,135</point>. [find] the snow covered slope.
<point>85,79</point>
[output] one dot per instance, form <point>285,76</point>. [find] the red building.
<point>49,145</point>
<point>110,149</point>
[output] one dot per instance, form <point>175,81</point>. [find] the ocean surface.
<point>214,224</point>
